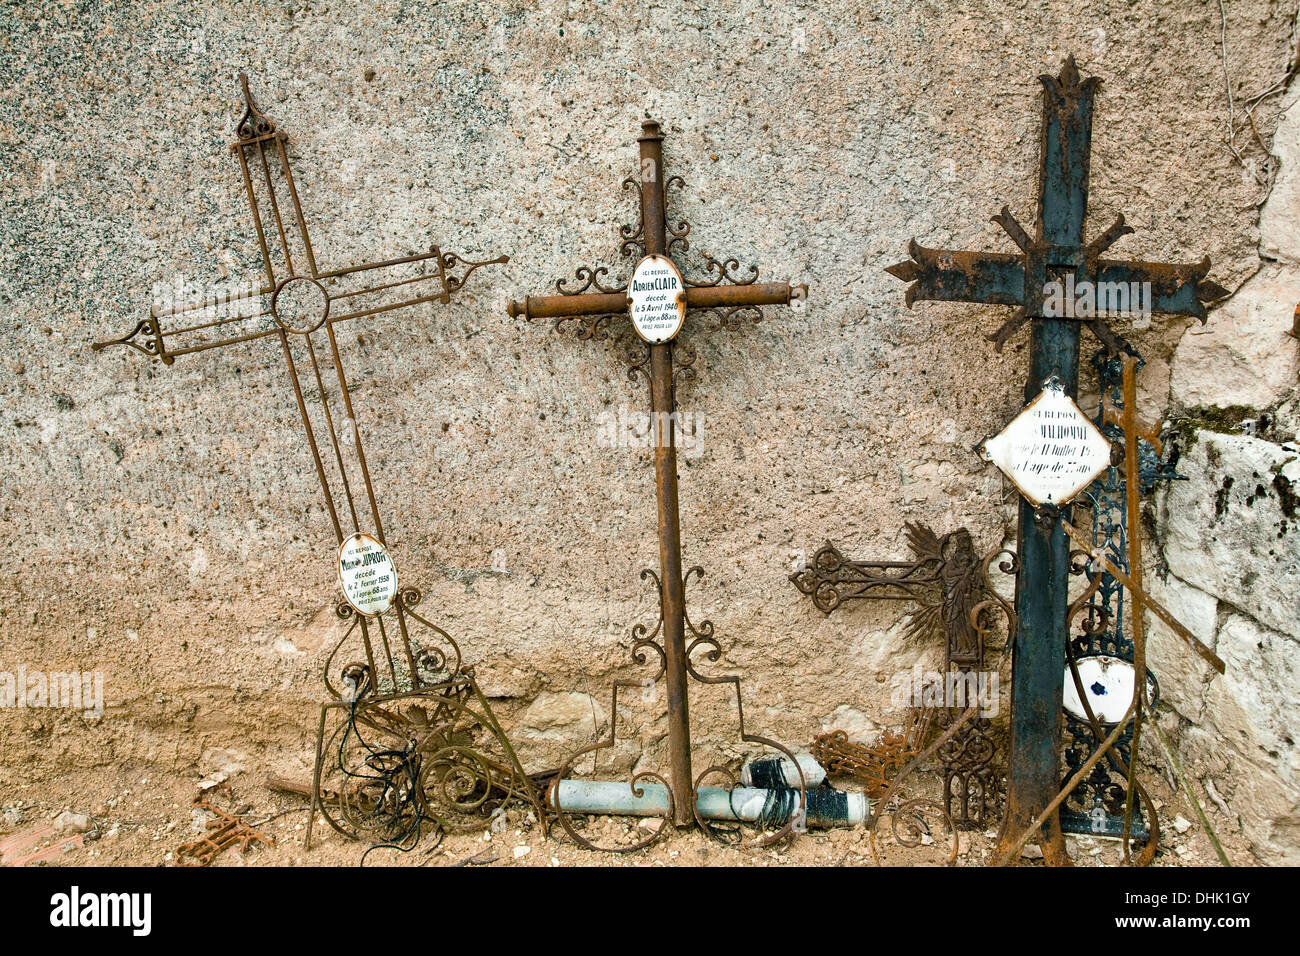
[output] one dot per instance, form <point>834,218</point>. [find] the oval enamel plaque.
<point>656,299</point>
<point>1108,685</point>
<point>367,574</point>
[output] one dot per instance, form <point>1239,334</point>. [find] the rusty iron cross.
<point>943,579</point>
<point>305,306</point>
<point>1058,252</point>
<point>948,581</point>
<point>593,306</point>
<point>1058,282</point>
<point>418,707</point>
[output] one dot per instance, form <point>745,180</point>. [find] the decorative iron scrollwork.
<point>451,260</point>
<point>724,274</point>
<point>253,123</point>
<point>590,279</point>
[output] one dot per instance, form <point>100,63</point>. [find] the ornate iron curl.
<point>1080,564</point>
<point>640,631</point>
<point>732,320</point>
<point>590,279</point>
<point>449,260</point>
<point>152,344</point>
<point>594,328</point>
<point>464,780</point>
<point>683,229</point>
<point>724,273</point>
<point>913,819</point>
<point>979,619</point>
<point>637,357</point>
<point>253,123</point>
<point>633,237</point>
<point>705,630</point>
<point>684,361</point>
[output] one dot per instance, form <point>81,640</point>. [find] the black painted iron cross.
<point>657,298</point>
<point>306,305</point>
<point>1059,282</point>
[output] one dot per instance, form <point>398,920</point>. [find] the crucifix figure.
<point>1058,281</point>
<point>415,764</point>
<point>946,578</point>
<point>657,299</point>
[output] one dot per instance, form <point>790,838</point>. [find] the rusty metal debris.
<point>875,765</point>
<point>1057,256</point>
<point>413,740</point>
<point>948,580</point>
<point>223,831</point>
<point>734,299</point>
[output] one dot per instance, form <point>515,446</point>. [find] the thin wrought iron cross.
<point>1057,253</point>
<point>306,303</point>
<point>733,302</point>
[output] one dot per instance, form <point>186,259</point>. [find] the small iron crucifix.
<point>306,306</point>
<point>1058,281</point>
<point>947,580</point>
<point>657,299</point>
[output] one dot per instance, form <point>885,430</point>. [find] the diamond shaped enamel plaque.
<point>1051,451</point>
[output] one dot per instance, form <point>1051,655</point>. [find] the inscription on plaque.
<point>367,574</point>
<point>656,299</point>
<point>1051,451</point>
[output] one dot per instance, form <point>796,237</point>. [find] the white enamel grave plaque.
<point>367,574</point>
<point>1051,451</point>
<point>656,299</point>
<point>1107,683</point>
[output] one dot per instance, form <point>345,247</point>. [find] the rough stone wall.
<point>164,525</point>
<point>1227,536</point>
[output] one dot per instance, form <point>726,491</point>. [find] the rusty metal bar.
<point>697,297</point>
<point>1150,603</point>
<point>672,598</point>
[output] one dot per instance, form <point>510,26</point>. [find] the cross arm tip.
<point>905,270</point>
<point>1210,291</point>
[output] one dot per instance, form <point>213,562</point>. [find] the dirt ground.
<point>139,821</point>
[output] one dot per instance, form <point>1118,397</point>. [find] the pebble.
<point>69,822</point>
<point>1182,824</point>
<point>522,851</point>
